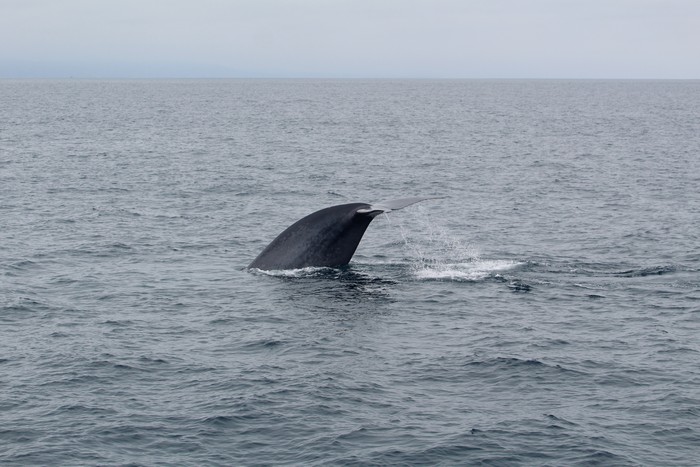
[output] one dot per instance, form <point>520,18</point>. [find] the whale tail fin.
<point>325,238</point>
<point>393,205</point>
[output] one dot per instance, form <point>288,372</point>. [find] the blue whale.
<point>326,238</point>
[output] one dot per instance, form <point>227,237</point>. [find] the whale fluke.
<point>326,238</point>
<point>396,204</point>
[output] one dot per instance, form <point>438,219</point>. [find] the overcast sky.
<point>351,38</point>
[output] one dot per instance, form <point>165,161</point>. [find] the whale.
<point>325,238</point>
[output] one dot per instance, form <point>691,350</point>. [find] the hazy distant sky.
<point>351,38</point>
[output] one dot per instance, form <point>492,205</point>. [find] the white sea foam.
<point>469,271</point>
<point>299,272</point>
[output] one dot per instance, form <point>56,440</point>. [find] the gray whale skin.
<point>326,238</point>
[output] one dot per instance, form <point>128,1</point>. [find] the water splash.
<point>436,254</point>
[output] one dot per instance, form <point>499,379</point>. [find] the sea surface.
<point>545,311</point>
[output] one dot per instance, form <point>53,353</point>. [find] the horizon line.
<point>309,77</point>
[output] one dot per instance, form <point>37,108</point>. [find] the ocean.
<point>544,311</point>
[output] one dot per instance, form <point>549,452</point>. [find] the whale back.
<point>326,238</point>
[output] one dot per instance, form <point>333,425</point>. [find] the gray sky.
<point>351,38</point>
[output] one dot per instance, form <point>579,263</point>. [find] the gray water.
<point>545,312</point>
